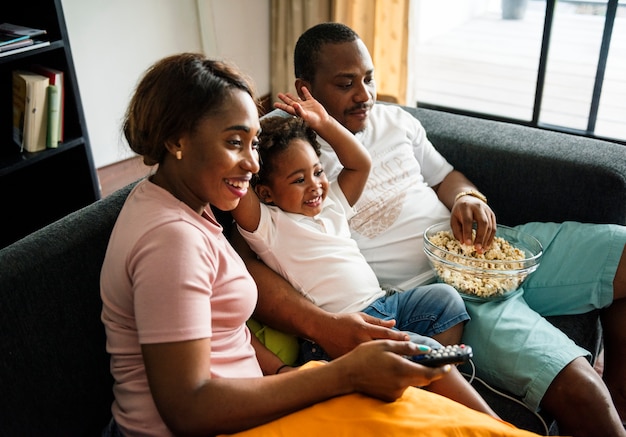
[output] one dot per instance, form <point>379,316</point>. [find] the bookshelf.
<point>39,188</point>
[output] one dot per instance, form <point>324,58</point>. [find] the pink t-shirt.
<point>170,275</point>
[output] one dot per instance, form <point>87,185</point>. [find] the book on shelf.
<point>30,110</point>
<point>6,39</point>
<point>56,78</point>
<point>16,31</point>
<point>35,45</point>
<point>15,38</point>
<point>16,45</point>
<point>54,113</point>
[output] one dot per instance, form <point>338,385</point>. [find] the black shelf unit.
<point>38,188</point>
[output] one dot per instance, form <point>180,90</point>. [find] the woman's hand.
<point>379,369</point>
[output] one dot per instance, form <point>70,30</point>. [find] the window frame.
<point>611,12</point>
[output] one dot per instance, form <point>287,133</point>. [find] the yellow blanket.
<point>417,413</point>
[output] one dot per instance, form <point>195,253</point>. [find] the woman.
<point>176,296</point>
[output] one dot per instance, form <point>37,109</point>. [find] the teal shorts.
<point>514,346</point>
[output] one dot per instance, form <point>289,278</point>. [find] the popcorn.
<point>492,282</point>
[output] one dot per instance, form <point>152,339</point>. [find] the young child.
<point>297,223</point>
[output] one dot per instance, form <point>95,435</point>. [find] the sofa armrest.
<point>531,174</point>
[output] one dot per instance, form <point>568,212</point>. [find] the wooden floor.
<point>120,174</point>
<point>489,65</point>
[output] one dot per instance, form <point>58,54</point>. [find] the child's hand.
<point>309,109</point>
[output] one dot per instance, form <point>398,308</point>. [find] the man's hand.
<point>468,210</point>
<point>340,333</point>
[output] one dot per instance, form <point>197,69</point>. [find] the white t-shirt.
<point>398,203</point>
<point>317,254</point>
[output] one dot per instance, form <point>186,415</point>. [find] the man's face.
<point>344,83</point>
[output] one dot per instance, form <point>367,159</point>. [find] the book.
<point>16,45</point>
<point>56,78</point>
<point>54,109</point>
<point>6,39</point>
<point>16,30</point>
<point>30,110</point>
<point>35,45</point>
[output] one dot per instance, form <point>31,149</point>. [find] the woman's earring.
<point>179,154</point>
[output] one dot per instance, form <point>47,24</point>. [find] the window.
<point>557,65</point>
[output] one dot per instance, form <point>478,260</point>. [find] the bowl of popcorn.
<point>500,269</point>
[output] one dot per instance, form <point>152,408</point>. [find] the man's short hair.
<point>308,46</point>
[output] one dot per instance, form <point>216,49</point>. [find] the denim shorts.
<point>422,312</point>
<point>427,310</point>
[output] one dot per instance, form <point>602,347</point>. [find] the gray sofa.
<point>54,370</point>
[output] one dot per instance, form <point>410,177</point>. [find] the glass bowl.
<point>478,275</point>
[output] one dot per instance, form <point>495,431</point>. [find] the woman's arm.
<point>191,402</point>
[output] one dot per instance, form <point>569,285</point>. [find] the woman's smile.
<point>239,187</point>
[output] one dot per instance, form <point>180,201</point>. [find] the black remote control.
<point>454,354</point>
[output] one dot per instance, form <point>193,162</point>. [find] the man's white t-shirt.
<point>398,203</point>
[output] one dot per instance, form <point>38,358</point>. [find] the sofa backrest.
<point>54,369</point>
<point>530,174</point>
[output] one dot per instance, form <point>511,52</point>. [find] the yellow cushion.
<point>285,346</point>
<point>418,412</point>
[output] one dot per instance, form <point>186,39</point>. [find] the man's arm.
<point>284,308</point>
<point>466,210</point>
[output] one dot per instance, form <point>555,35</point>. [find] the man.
<point>412,186</point>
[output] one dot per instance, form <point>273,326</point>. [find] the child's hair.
<point>276,134</point>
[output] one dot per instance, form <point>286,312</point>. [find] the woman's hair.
<point>173,96</point>
<point>308,46</point>
<point>277,132</point>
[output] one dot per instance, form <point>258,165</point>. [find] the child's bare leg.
<point>451,336</point>
<point>454,386</point>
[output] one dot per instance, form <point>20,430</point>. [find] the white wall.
<point>114,41</point>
